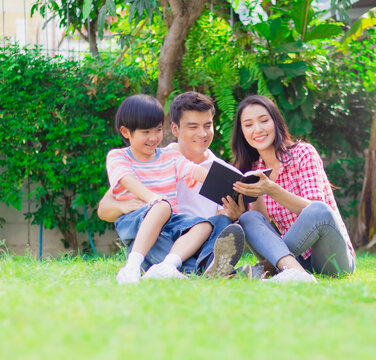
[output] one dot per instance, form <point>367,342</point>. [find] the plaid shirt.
<point>302,175</point>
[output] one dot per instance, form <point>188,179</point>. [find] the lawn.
<point>72,308</point>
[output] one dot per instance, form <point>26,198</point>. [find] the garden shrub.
<point>56,126</point>
<point>341,127</point>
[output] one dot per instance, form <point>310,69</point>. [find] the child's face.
<point>143,142</point>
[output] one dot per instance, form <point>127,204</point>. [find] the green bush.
<point>56,126</point>
<point>341,127</point>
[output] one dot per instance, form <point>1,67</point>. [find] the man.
<point>192,123</point>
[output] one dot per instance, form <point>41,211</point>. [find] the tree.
<point>179,16</point>
<point>366,224</point>
<point>87,17</point>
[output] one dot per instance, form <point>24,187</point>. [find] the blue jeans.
<point>317,227</point>
<point>167,238</point>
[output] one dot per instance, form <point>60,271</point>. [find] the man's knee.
<point>220,220</point>
<point>251,216</point>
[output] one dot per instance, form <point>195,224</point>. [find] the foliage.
<point>283,45</point>
<point>367,20</point>
<point>341,128</point>
<point>209,45</point>
<point>274,57</point>
<point>87,17</point>
<point>56,121</point>
<point>365,232</point>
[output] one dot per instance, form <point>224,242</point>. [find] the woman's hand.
<point>290,201</point>
<point>263,186</point>
<point>232,209</point>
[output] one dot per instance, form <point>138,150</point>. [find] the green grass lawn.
<point>72,308</point>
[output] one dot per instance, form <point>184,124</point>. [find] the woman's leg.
<point>262,238</point>
<point>267,244</point>
<point>318,227</point>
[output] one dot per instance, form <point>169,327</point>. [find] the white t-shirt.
<point>190,201</point>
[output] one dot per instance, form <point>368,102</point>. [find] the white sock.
<point>173,259</point>
<point>135,260</point>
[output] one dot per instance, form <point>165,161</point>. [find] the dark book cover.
<point>220,180</point>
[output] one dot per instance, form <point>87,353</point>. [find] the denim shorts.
<point>127,225</point>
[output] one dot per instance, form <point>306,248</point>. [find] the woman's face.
<point>258,127</point>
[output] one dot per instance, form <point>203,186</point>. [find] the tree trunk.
<point>70,236</point>
<point>365,232</point>
<point>67,223</point>
<point>92,35</point>
<point>184,15</point>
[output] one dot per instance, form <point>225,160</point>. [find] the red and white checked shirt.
<point>302,175</point>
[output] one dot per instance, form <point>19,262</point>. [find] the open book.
<point>220,180</point>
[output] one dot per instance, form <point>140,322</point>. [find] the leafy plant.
<point>56,126</point>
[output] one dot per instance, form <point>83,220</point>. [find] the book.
<point>220,180</point>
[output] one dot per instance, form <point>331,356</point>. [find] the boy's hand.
<point>156,198</point>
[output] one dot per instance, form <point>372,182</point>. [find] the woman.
<point>297,197</point>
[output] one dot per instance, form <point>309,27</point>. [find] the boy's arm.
<point>200,173</point>
<point>137,188</point>
<point>109,209</point>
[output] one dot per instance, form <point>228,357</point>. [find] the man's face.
<point>195,132</point>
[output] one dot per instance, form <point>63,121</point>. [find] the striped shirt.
<point>159,175</point>
<point>303,175</point>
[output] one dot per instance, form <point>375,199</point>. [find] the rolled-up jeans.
<point>317,227</point>
<point>195,264</point>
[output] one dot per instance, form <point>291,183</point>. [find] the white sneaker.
<point>163,271</point>
<point>128,275</point>
<point>292,275</point>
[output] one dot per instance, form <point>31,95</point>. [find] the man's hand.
<point>110,209</point>
<point>232,209</point>
<point>130,205</point>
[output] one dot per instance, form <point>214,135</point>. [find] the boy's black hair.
<point>139,112</point>
<point>190,101</point>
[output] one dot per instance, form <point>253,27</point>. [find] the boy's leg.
<point>146,236</point>
<point>161,249</point>
<point>151,227</point>
<point>184,247</point>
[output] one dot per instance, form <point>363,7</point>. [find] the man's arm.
<point>109,209</point>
